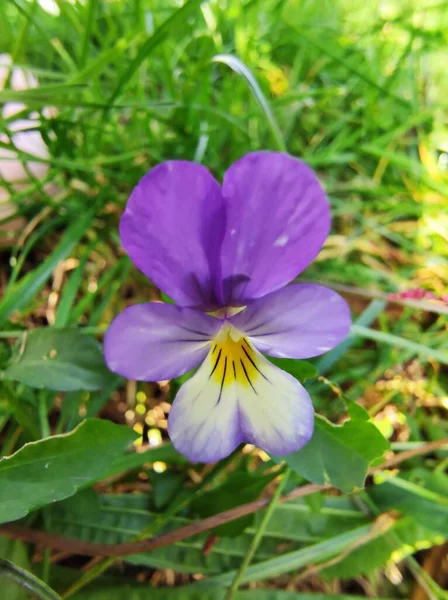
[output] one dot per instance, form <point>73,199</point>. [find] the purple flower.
<point>224,254</point>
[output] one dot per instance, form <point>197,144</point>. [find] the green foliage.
<point>115,518</point>
<point>26,580</point>
<point>357,90</point>
<point>139,592</point>
<point>17,553</point>
<point>59,359</point>
<point>223,497</point>
<point>401,540</point>
<point>340,454</point>
<point>427,507</point>
<point>24,291</point>
<point>300,369</point>
<point>165,486</point>
<point>55,468</point>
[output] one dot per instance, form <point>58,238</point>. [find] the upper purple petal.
<point>155,341</point>
<point>277,219</point>
<point>298,321</point>
<point>172,229</point>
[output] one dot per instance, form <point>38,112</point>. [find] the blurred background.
<point>96,92</point>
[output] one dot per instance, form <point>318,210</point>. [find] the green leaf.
<point>340,454</point>
<point>223,497</point>
<point>427,507</point>
<point>166,453</point>
<point>165,486</point>
<point>300,369</point>
<point>116,518</point>
<point>409,536</point>
<point>55,468</point>
<point>63,360</point>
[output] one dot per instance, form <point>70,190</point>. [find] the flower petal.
<point>172,229</point>
<point>298,321</point>
<point>155,341</point>
<point>277,221</point>
<point>238,396</point>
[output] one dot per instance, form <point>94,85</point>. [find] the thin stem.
<point>257,537</point>
<point>43,415</point>
<point>46,565</point>
<point>27,580</point>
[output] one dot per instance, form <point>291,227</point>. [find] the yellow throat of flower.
<point>233,359</point>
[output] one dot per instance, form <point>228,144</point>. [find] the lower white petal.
<point>238,396</point>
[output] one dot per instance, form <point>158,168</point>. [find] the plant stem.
<point>43,415</point>
<point>257,537</point>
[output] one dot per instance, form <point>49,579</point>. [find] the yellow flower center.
<point>233,359</point>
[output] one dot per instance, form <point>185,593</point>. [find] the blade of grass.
<point>88,25</point>
<point>240,68</point>
<point>71,290</point>
<point>233,589</point>
<point>292,561</point>
<point>399,342</point>
<point>368,316</point>
<point>26,580</point>
<point>26,289</point>
<point>168,27</point>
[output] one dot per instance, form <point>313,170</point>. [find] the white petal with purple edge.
<point>298,321</point>
<point>156,341</point>
<point>238,396</point>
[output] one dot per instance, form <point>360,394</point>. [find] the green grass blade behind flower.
<point>233,589</point>
<point>28,11</point>
<point>346,62</point>
<point>44,95</point>
<point>88,27</point>
<point>291,561</point>
<point>37,236</point>
<point>27,580</point>
<point>110,292</point>
<point>27,288</point>
<point>367,317</point>
<point>399,342</point>
<point>111,279</point>
<point>71,290</point>
<point>143,592</point>
<point>168,27</point>
<point>240,68</point>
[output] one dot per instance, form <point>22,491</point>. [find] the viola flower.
<point>225,255</point>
